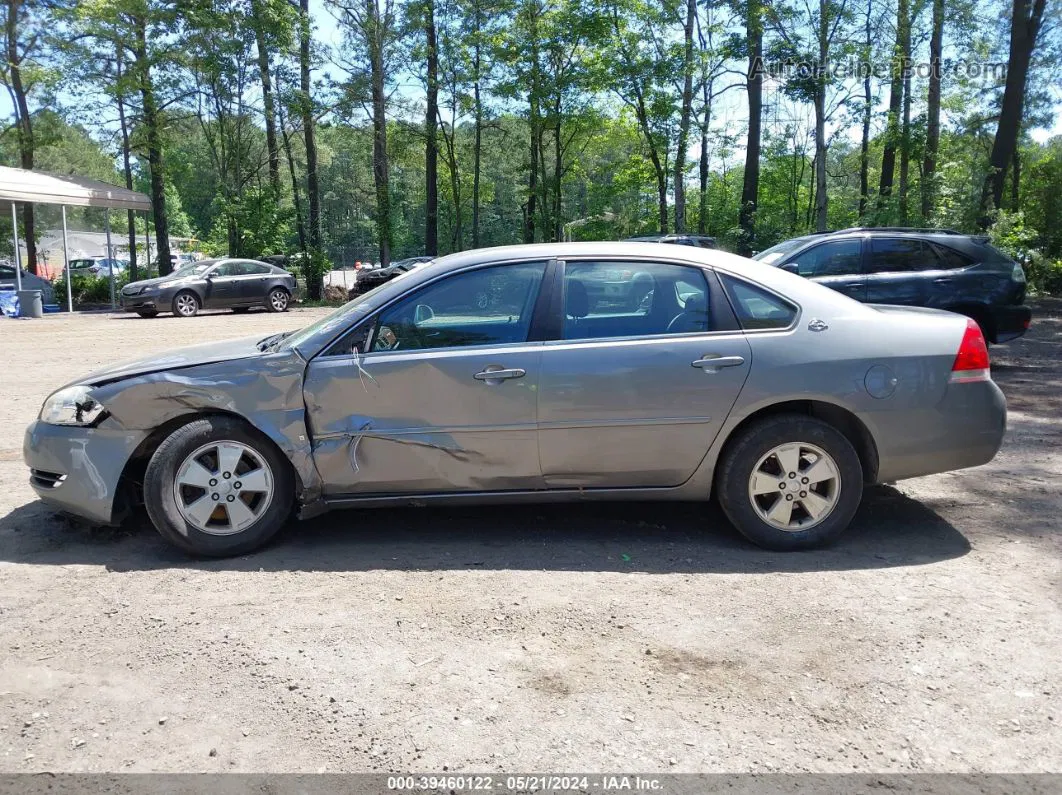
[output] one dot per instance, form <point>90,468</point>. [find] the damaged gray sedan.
<point>595,371</point>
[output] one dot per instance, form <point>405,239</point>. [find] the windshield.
<point>190,270</point>
<point>775,253</point>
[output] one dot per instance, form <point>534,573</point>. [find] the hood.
<point>156,281</point>
<point>210,352</point>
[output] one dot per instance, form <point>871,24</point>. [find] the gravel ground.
<point>639,638</point>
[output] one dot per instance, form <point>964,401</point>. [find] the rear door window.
<point>900,255</point>
<point>603,300</point>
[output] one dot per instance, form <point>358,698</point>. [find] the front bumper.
<point>965,429</point>
<point>77,470</point>
<point>139,303</point>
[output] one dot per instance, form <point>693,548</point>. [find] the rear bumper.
<point>77,470</point>
<point>965,429</point>
<point>1010,322</point>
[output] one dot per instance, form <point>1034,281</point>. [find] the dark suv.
<point>934,268</point>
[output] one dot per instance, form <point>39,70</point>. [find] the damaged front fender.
<point>266,391</point>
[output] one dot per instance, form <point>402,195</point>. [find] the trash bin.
<point>30,303</point>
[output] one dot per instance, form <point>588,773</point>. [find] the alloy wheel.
<point>795,486</point>
<point>223,487</point>
<point>186,304</point>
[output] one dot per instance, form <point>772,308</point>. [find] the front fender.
<point>266,391</point>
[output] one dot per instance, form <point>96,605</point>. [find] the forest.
<point>344,130</point>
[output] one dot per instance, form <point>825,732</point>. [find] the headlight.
<point>74,405</point>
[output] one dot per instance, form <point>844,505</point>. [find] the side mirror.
<point>422,314</point>
<point>791,267</point>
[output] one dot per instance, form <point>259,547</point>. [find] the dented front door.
<point>426,421</point>
<point>445,396</point>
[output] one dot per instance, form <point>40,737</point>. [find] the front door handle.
<point>494,376</point>
<point>711,364</point>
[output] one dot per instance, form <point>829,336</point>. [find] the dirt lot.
<point>638,638</point>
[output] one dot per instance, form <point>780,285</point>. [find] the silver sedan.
<point>595,371</point>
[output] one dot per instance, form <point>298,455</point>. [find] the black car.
<point>371,278</point>
<point>935,268</point>
<point>236,284</point>
<point>700,241</point>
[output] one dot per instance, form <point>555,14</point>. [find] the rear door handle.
<point>711,364</point>
<point>499,375</point>
<point>942,281</point>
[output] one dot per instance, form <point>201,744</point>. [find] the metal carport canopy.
<point>39,187</point>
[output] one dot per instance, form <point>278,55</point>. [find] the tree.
<point>754,87</point>
<point>1026,20</point>
<point>369,28</point>
<point>899,72</point>
<point>26,28</point>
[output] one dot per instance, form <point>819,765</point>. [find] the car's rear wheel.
<point>790,482</point>
<point>148,313</point>
<point>216,487</point>
<point>186,304</point>
<point>278,300</point>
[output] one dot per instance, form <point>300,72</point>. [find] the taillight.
<point>971,362</point>
<point>1018,273</point>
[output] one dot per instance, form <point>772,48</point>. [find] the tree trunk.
<point>684,118</point>
<point>431,141</point>
<point>153,128</point>
<point>314,286</point>
<point>929,160</point>
<point>702,171</point>
<point>268,103</point>
<point>24,127</point>
<point>892,130</point>
<point>1015,181</point>
<point>379,132</point>
<point>477,146</point>
<point>821,196</point>
<point>127,169</point>
<point>1026,20</point>
<point>905,135</point>
<point>754,85</point>
<point>300,222</point>
<point>558,171</point>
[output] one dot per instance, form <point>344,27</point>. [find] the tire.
<point>278,300</point>
<point>148,313</point>
<point>749,501</point>
<point>241,310</point>
<point>173,506</point>
<point>186,304</point>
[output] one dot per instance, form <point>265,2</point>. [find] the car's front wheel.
<point>278,300</point>
<point>186,304</point>
<point>216,487</point>
<point>790,482</point>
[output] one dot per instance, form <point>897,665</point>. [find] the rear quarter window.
<point>756,308</point>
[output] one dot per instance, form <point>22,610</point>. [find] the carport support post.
<point>147,244</point>
<point>18,253</point>
<point>110,259</point>
<point>66,267</point>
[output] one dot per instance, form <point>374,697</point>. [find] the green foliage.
<point>87,290</point>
